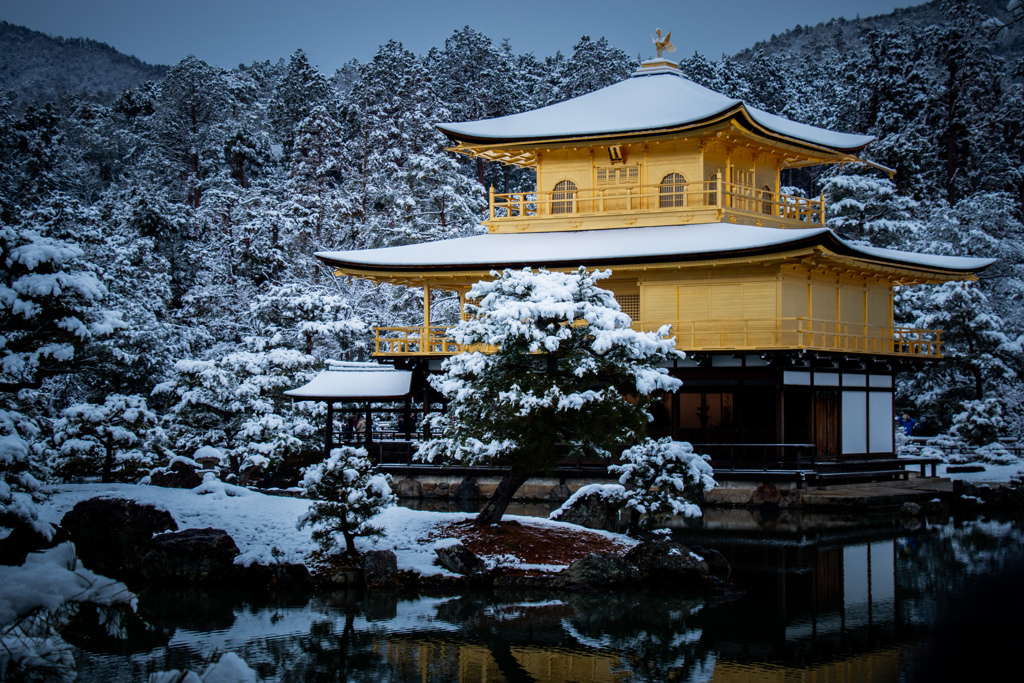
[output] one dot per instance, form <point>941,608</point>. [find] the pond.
<point>828,598</point>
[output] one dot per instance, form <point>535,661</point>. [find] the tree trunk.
<point>108,461</point>
<point>502,496</point>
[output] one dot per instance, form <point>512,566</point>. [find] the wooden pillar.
<point>408,418</point>
<point>425,335</point>
<point>328,430</point>
<point>369,424</point>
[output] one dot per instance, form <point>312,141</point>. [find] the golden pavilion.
<point>791,345</point>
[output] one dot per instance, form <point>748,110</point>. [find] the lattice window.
<point>712,189</point>
<point>563,198</point>
<point>630,305</point>
<point>766,200</point>
<point>611,177</point>
<point>672,191</point>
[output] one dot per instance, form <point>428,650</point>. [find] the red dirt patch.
<point>529,544</point>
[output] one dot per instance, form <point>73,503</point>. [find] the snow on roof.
<point>610,246</point>
<point>357,383</point>
<point>652,99</point>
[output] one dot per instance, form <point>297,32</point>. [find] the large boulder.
<point>112,535</point>
<point>380,569</point>
<point>595,506</point>
<point>407,488</point>
<point>191,556</point>
<point>669,565</point>
<point>466,490</point>
<point>599,571</point>
<point>459,559</point>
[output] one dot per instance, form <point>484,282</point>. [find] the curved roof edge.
<point>655,100</point>
<point>609,247</point>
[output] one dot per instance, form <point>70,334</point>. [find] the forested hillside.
<point>159,247</point>
<point>38,68</point>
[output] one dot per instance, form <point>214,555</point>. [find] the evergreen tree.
<point>347,494</point>
<point>564,360</point>
<point>594,64</point>
<point>120,437</point>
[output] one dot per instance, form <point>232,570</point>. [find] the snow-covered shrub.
<point>996,453</point>
<point>19,485</point>
<point>979,422</point>
<point>236,403</point>
<point>348,493</point>
<point>563,358</point>
<point>120,438</point>
<point>661,478</point>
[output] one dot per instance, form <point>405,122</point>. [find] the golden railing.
<point>716,335</point>
<point>801,333</point>
<point>666,198</point>
<point>414,341</point>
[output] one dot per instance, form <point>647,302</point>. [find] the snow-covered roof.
<point>653,99</point>
<point>626,245</point>
<point>355,383</point>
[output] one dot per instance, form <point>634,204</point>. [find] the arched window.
<point>563,198</point>
<point>672,191</point>
<point>766,200</point>
<point>712,189</point>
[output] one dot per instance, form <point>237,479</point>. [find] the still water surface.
<point>828,598</point>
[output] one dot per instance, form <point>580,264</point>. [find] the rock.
<point>176,479</point>
<point>24,539</point>
<point>466,490</point>
<point>766,494</point>
<point>662,563</point>
<point>718,566</point>
<point>112,535</point>
<point>274,576</point>
<point>559,493</point>
<point>910,509</point>
<point>191,556</point>
<point>407,488</point>
<point>380,568</point>
<point>596,508</point>
<point>598,571</point>
<point>459,559</point>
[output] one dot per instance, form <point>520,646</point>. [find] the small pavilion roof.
<point>669,243</point>
<point>657,98</point>
<point>355,382</point>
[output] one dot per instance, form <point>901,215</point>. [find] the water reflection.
<point>828,599</point>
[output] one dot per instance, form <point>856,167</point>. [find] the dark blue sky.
<point>229,32</point>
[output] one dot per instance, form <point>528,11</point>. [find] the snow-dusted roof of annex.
<point>354,381</point>
<point>662,244</point>
<point>654,100</point>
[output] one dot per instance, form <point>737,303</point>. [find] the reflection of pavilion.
<point>823,596</point>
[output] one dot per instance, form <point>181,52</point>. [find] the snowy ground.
<point>264,527</point>
<point>995,474</point>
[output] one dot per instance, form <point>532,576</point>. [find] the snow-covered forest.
<point>159,289</point>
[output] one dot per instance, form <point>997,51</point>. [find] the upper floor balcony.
<point>669,203</point>
<point>716,335</point>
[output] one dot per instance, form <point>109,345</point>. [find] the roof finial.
<point>663,45</point>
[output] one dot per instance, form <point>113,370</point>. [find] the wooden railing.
<point>802,333</point>
<point>657,198</point>
<point>712,335</point>
<point>414,341</point>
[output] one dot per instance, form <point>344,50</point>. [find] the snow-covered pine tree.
<point>120,438</point>
<point>347,494</point>
<point>868,210</point>
<point>50,307</point>
<point>562,361</point>
<point>594,64</point>
<point>662,478</point>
